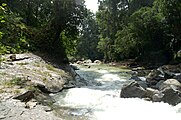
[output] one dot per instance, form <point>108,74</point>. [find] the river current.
<point>99,99</point>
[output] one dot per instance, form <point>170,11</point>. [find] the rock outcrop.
<point>26,80</point>
<point>162,84</point>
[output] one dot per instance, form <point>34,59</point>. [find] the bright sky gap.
<point>92,5</point>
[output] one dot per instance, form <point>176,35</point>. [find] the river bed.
<point>99,99</point>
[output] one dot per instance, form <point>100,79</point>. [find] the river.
<point>100,100</point>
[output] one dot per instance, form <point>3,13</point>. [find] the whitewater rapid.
<point>100,99</point>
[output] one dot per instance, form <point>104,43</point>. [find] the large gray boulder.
<point>171,95</point>
<point>154,77</point>
<point>133,90</point>
<point>170,83</point>
<point>170,92</point>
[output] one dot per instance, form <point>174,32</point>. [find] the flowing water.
<point>100,100</point>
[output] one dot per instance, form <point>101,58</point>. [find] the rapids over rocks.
<point>100,99</point>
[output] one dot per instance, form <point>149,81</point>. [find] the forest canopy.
<point>144,30</point>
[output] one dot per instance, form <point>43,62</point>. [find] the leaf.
<point>3,21</point>
<point>1,8</point>
<point>4,4</point>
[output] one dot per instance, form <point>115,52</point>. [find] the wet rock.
<point>143,84</point>
<point>136,78</point>
<point>169,92</point>
<point>79,62</point>
<point>157,97</point>
<point>133,90</point>
<point>168,75</point>
<point>172,68</point>
<point>154,77</point>
<point>97,62</point>
<point>178,77</point>
<point>138,68</point>
<point>157,86</point>
<point>150,92</point>
<point>74,67</point>
<point>171,96</point>
<point>87,61</point>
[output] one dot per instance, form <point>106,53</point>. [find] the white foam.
<point>107,107</point>
<point>105,104</point>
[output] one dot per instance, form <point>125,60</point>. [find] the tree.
<point>171,12</point>
<point>13,33</point>
<point>88,41</point>
<point>142,35</point>
<point>48,20</point>
<point>110,17</point>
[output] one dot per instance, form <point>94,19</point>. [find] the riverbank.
<point>26,80</point>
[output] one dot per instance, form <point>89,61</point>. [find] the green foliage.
<point>12,32</point>
<point>51,26</point>
<point>88,40</point>
<point>139,29</point>
<point>70,43</point>
<point>171,11</point>
<point>143,34</point>
<point>110,19</point>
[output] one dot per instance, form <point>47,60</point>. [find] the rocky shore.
<point>159,85</point>
<point>26,82</point>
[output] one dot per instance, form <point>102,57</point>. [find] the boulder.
<point>150,92</point>
<point>79,62</point>
<point>157,86</point>
<point>157,97</point>
<point>171,95</point>
<point>178,77</point>
<point>143,84</point>
<point>172,68</point>
<point>169,92</point>
<point>74,67</point>
<point>136,78</point>
<point>97,62</point>
<point>87,61</point>
<point>154,77</point>
<point>133,90</point>
<point>170,82</point>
